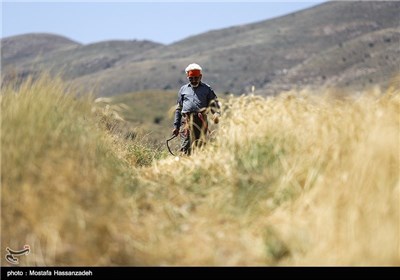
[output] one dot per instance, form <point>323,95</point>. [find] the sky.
<point>159,21</point>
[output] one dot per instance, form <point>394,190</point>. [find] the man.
<point>194,99</point>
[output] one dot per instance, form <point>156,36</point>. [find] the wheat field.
<point>304,178</point>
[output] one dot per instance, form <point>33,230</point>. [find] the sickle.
<point>169,149</point>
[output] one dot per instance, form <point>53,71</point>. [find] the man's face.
<point>195,81</point>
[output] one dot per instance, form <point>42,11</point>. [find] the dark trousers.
<point>194,131</point>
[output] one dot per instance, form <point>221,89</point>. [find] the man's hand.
<point>216,118</point>
<point>175,131</point>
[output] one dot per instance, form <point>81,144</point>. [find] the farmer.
<point>195,99</point>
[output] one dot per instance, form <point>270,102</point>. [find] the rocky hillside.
<point>349,44</point>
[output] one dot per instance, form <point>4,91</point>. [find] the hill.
<point>347,44</point>
<point>24,49</point>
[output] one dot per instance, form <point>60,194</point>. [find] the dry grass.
<point>300,179</point>
<point>63,186</point>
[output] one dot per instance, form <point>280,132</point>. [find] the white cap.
<point>193,66</point>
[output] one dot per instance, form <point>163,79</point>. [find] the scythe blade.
<point>169,149</point>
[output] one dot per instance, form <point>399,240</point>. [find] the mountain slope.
<point>366,60</point>
<point>25,48</point>
<point>332,43</point>
<point>76,60</point>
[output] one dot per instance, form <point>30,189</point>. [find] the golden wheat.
<point>303,178</point>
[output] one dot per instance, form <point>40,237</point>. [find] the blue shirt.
<point>193,99</point>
